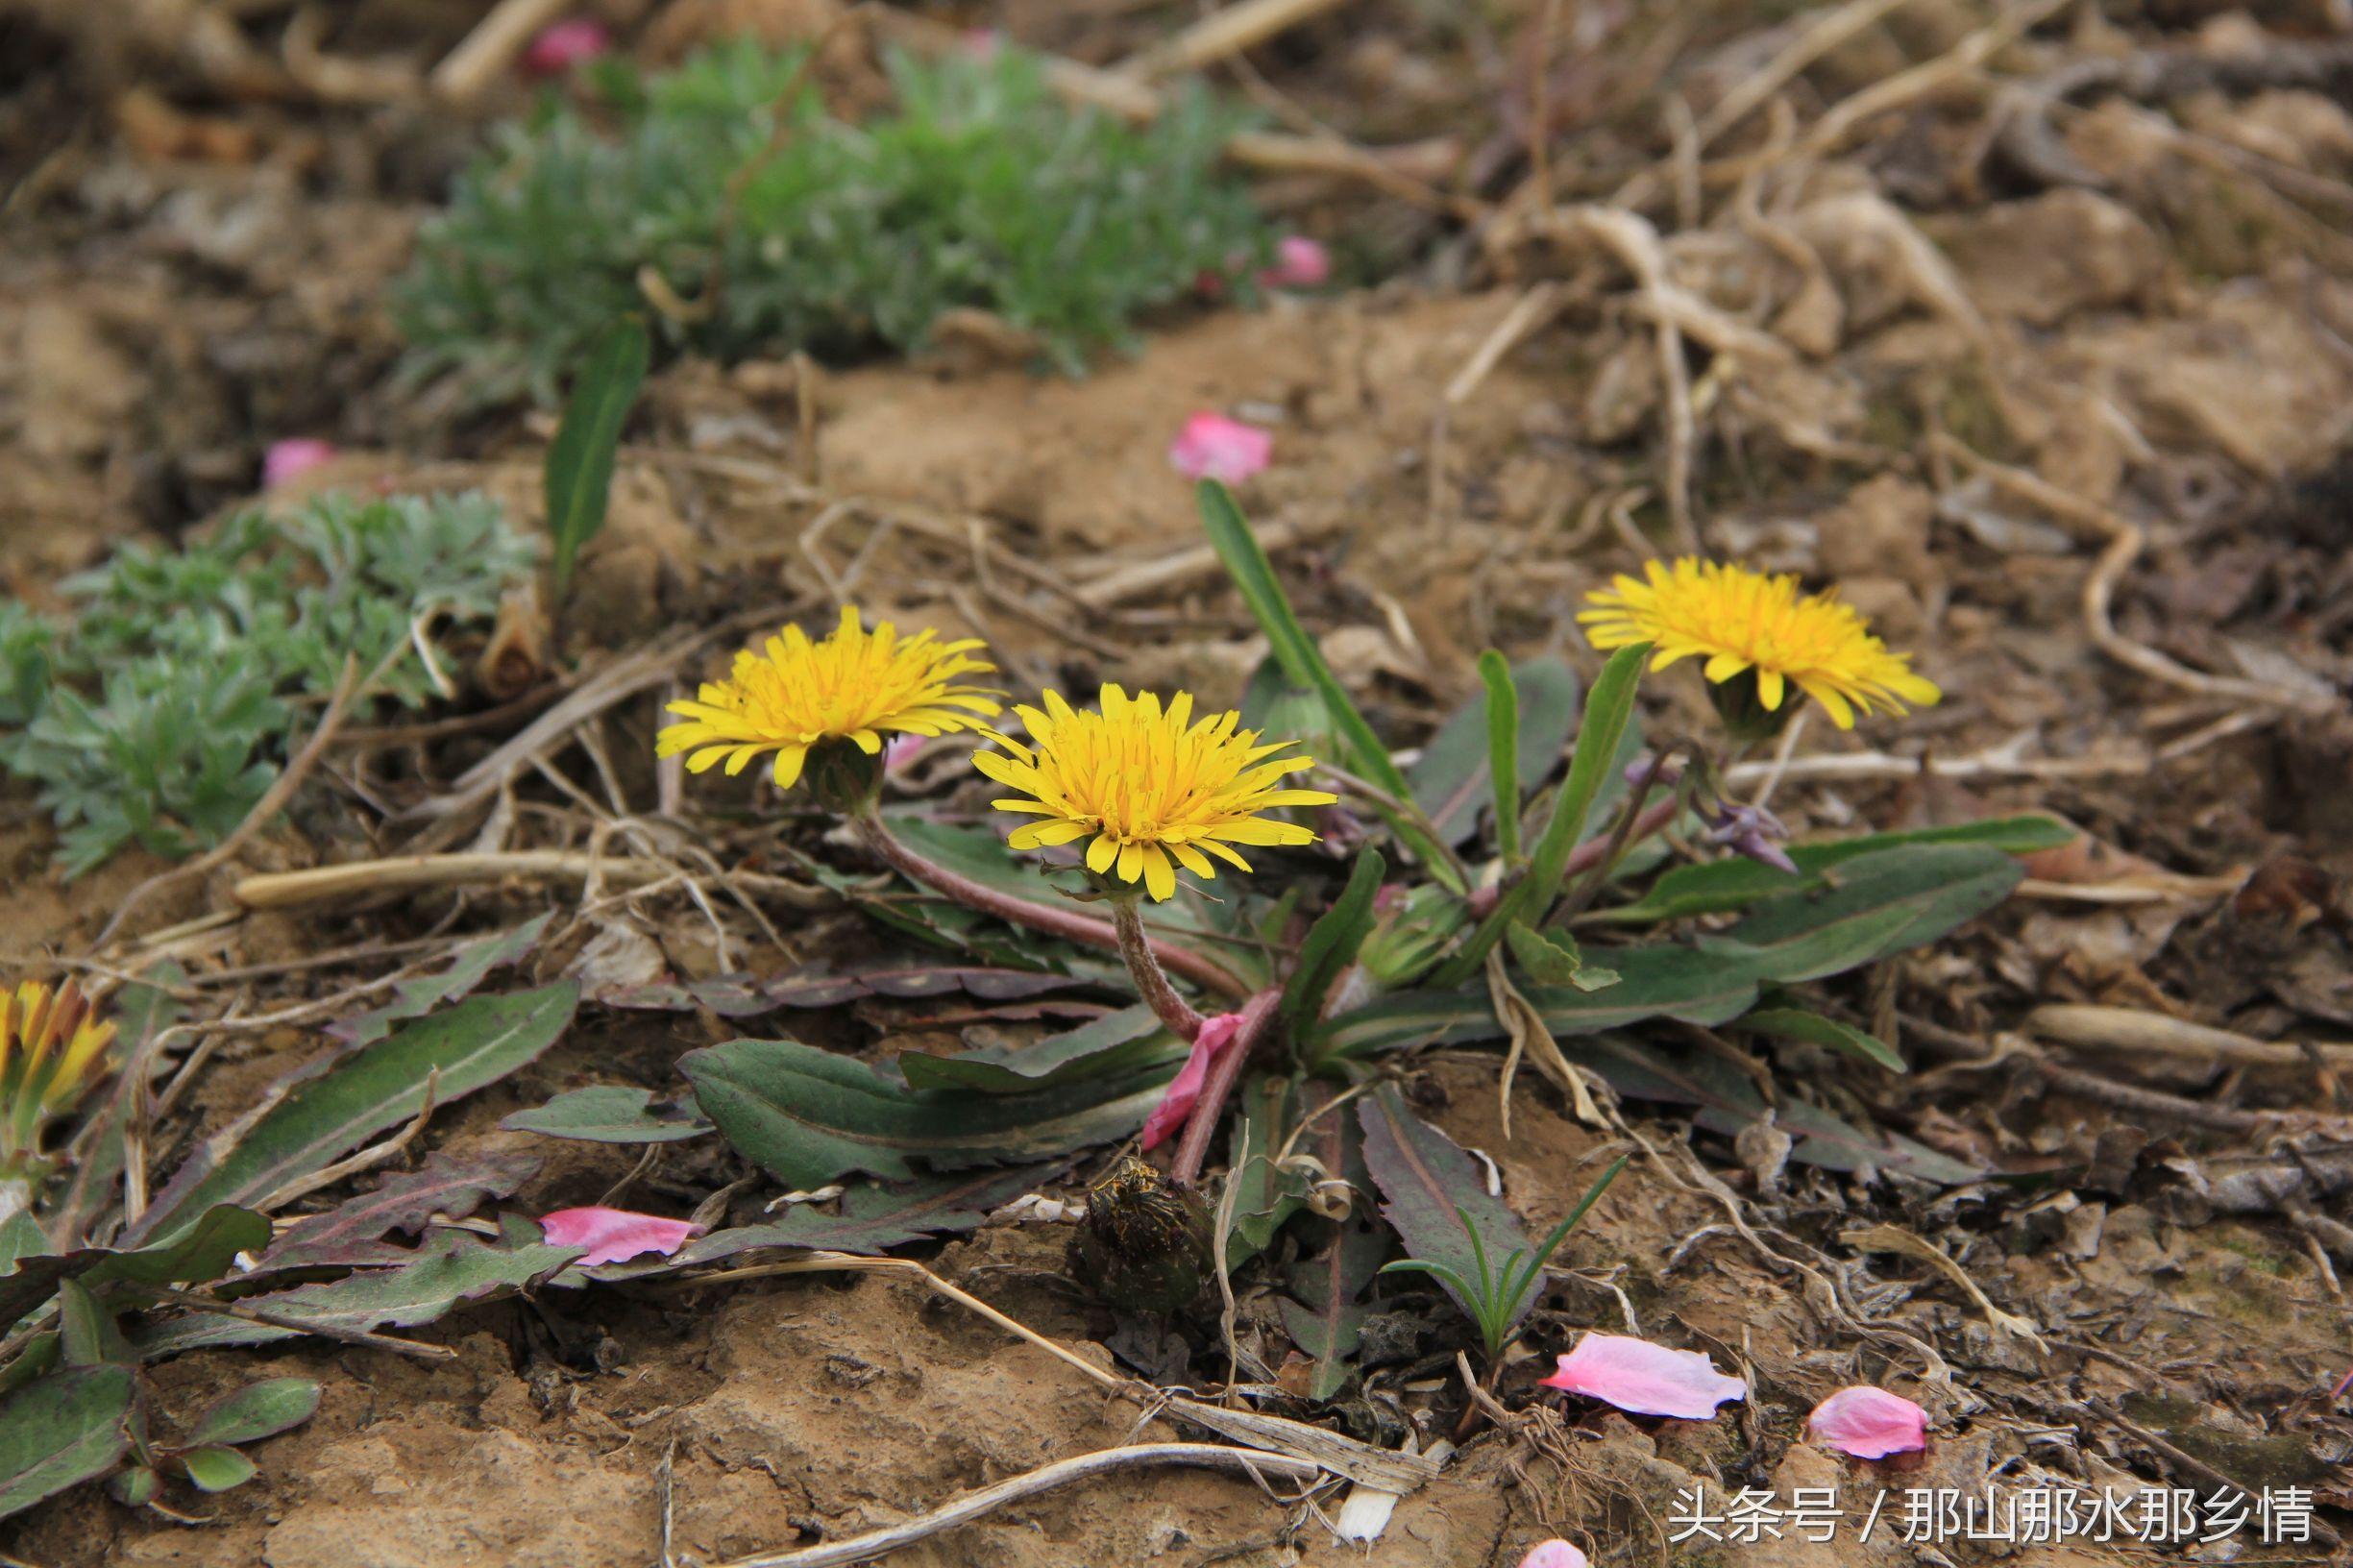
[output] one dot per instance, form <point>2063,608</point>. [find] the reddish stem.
<point>1151,980</point>
<point>1192,1150</point>
<point>1067,924</point>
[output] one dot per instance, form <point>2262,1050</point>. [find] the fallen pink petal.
<point>564,45</point>
<point>1176,1105</point>
<point>1869,1423</point>
<point>291,458</point>
<point>1300,262</point>
<point>613,1234</point>
<point>1645,1379</point>
<point>1554,1554</point>
<point>1214,447</point>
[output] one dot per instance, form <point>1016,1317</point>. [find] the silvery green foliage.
<point>159,715</point>
<point>978,188</point>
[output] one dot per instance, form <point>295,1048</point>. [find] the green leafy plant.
<point>81,1318</point>
<point>1499,1296</point>
<point>726,196</point>
<point>578,475</point>
<point>1531,879</point>
<point>156,715</point>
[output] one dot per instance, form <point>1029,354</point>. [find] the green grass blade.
<point>1607,709</point>
<point>1303,665</point>
<point>1503,752</point>
<point>578,476</point>
<point>1333,941</point>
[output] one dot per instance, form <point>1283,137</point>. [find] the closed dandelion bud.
<point>51,1050</point>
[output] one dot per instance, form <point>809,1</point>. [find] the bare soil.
<point>1901,349</point>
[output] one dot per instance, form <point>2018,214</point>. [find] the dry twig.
<point>1044,1479</point>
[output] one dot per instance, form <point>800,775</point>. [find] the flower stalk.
<point>1151,980</point>
<point>1068,924</point>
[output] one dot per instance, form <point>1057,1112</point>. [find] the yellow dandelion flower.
<point>1154,788</point>
<point>51,1046</point>
<point>791,694</point>
<point>1741,621</point>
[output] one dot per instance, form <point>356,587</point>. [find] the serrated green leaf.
<point>328,1109</point>
<point>217,1469</point>
<point>608,1113</point>
<point>808,1116</point>
<point>1607,710</point>
<point>453,1266</point>
<point>468,968</point>
<point>1333,941</point>
<point>873,1220</point>
<point>1303,662</point>
<point>351,1235</point>
<point>1737,882</point>
<point>1884,903</point>
<point>1434,1195</point>
<point>1801,1024</point>
<point>578,478</point>
<point>202,1251</point>
<point>258,1411</point>
<point>62,1430</point>
<point>1116,1043</point>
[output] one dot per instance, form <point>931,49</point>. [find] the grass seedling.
<point>1497,1298</point>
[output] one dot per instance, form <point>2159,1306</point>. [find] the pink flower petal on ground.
<point>1177,1104</point>
<point>292,458</point>
<point>1869,1423</point>
<point>1214,447</point>
<point>564,45</point>
<point>1554,1554</point>
<point>1646,1378</point>
<point>1300,262</point>
<point>611,1234</point>
<point>896,753</point>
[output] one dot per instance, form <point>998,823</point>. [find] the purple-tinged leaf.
<point>202,1251</point>
<point>873,1219</point>
<point>1428,1185</point>
<point>351,1235</point>
<point>1326,1320</point>
<point>452,1267</point>
<point>744,995</point>
<point>469,967</point>
<point>323,1111</point>
<point>1725,1101</point>
<point>608,1113</point>
<point>59,1430</point>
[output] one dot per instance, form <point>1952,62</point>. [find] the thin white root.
<point>1044,1479</point>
